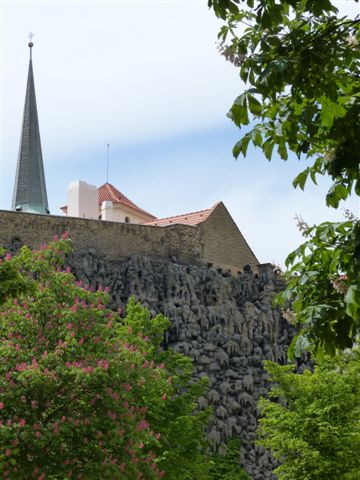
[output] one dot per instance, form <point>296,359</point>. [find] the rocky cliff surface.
<point>225,323</point>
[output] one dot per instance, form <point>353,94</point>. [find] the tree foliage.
<point>85,393</point>
<point>11,282</point>
<point>325,300</point>
<point>300,62</point>
<point>312,421</point>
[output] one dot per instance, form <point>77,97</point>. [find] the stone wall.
<point>113,240</point>
<point>225,323</point>
<point>217,240</point>
<point>224,244</point>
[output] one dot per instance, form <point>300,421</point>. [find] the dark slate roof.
<point>30,189</point>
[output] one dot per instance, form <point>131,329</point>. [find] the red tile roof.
<point>112,194</point>
<point>194,218</point>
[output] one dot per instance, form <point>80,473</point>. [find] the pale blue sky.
<point>146,77</point>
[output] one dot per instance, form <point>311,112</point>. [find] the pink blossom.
<point>22,422</point>
<point>55,238</point>
<point>163,396</point>
<point>141,445</point>
<point>38,434</point>
<point>65,235</point>
<point>142,425</point>
<point>1,405</point>
<point>8,452</point>
<point>158,436</point>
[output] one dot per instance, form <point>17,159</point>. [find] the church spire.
<point>30,189</point>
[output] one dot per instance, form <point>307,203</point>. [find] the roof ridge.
<point>188,213</point>
<point>118,197</point>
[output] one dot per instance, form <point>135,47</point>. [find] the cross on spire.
<point>30,36</point>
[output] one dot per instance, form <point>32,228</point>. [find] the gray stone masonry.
<point>226,324</point>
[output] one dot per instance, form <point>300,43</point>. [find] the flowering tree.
<point>300,64</point>
<point>83,393</point>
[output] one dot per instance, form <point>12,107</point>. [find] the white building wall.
<point>83,200</point>
<point>118,213</point>
<point>107,210</point>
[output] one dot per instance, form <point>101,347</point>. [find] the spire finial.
<point>30,44</point>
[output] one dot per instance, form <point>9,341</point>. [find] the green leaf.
<point>336,193</point>
<point>291,349</point>
<point>300,180</point>
<point>255,106</point>
<point>357,187</point>
<point>327,116</point>
<point>268,147</point>
<point>282,151</point>
<point>241,146</point>
<point>353,295</point>
<point>239,114</point>
<point>256,138</point>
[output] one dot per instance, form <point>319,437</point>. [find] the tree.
<point>312,421</point>
<point>11,282</point>
<point>300,63</point>
<point>84,393</point>
<point>324,299</point>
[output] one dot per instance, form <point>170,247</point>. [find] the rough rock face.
<point>225,323</point>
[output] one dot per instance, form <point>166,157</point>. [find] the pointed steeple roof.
<point>30,189</point>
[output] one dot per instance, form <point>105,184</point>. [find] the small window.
<point>127,219</point>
